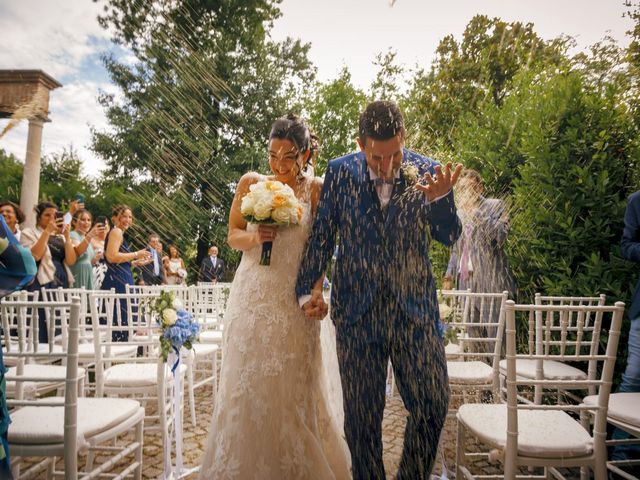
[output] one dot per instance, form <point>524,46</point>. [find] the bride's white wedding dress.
<point>278,411</point>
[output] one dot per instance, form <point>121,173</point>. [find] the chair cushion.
<point>541,433</point>
<point>87,350</point>
<point>48,376</point>
<point>623,407</point>
<point>469,373</point>
<point>134,375</point>
<point>203,349</point>
<point>552,370</point>
<point>33,425</point>
<point>452,349</point>
<point>210,336</point>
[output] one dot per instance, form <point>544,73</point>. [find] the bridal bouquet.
<point>178,327</point>
<point>272,203</point>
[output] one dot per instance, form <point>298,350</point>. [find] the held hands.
<point>441,184</point>
<point>316,308</point>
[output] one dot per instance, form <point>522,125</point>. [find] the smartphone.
<point>59,215</point>
<point>79,197</point>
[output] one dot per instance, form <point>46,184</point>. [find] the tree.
<point>333,110</point>
<point>464,73</point>
<point>386,85</point>
<point>11,178</point>
<point>60,177</point>
<point>196,108</point>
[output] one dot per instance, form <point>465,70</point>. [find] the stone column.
<point>31,176</point>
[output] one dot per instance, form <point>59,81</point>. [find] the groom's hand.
<point>316,308</point>
<point>439,185</point>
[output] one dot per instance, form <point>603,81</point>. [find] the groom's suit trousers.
<point>417,354</point>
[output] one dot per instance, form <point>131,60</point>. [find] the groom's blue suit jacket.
<point>378,250</point>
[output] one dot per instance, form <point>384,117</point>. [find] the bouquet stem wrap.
<point>265,258</point>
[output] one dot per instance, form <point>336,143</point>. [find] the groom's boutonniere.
<point>409,172</point>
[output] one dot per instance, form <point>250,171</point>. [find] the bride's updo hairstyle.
<point>297,131</point>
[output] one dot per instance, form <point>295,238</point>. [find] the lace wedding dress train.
<point>278,411</point>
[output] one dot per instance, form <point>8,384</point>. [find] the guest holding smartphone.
<point>97,242</point>
<point>51,247</point>
<point>81,236</point>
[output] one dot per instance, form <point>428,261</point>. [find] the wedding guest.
<point>51,247</point>
<point>13,216</point>
<point>176,271</point>
<point>478,259</point>
<point>97,242</point>
<point>153,272</point>
<point>81,235</point>
<point>630,248</point>
<point>17,266</point>
<point>212,267</point>
<point>119,260</point>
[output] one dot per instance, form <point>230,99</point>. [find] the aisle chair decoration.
<point>178,330</point>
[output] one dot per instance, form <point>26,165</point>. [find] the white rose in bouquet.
<point>262,209</point>
<point>248,204</point>
<point>169,316</point>
<point>177,304</point>
<point>281,215</point>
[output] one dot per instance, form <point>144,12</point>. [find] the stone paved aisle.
<point>195,438</point>
<point>393,432</point>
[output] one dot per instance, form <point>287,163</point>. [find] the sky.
<point>63,38</point>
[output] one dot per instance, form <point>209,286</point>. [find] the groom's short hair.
<point>381,120</point>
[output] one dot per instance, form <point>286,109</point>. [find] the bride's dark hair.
<point>297,131</point>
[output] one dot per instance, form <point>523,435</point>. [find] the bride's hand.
<point>266,233</point>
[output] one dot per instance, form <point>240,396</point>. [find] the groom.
<point>384,203</point>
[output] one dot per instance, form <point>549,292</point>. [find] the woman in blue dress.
<point>120,259</point>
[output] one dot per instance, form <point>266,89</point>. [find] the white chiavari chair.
<point>547,436</point>
<point>20,333</point>
<point>473,369</point>
<point>580,326</point>
<point>65,427</point>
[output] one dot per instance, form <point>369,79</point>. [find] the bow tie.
<point>381,181</point>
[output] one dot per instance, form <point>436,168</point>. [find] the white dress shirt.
<point>156,262</point>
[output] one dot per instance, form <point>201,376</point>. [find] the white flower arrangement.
<point>410,172</point>
<point>273,202</point>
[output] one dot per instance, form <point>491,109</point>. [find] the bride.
<point>278,411</point>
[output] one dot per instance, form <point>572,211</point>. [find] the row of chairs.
<point>81,350</point>
<point>558,349</point>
